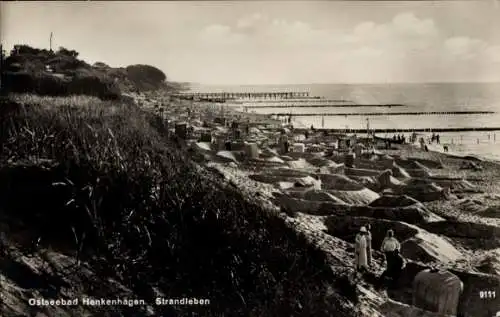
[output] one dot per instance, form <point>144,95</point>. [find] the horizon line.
<point>343,83</point>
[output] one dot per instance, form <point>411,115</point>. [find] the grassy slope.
<point>150,217</point>
<point>25,72</point>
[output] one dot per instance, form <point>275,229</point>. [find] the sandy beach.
<point>444,209</point>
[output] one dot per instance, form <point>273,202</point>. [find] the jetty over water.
<point>384,113</point>
<point>301,100</point>
<point>335,105</point>
<point>479,129</point>
<point>241,95</point>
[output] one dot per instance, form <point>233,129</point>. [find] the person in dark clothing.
<point>437,139</point>
<point>394,269</point>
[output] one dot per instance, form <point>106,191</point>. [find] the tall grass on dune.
<point>142,212</point>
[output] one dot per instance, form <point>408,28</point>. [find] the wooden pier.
<point>429,130</point>
<point>240,95</point>
<point>345,104</point>
<point>367,114</point>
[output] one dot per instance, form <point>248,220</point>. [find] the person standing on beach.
<point>394,270</point>
<point>422,143</point>
<point>389,245</point>
<point>360,248</point>
<point>369,244</point>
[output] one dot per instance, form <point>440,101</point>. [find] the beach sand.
<point>459,230</point>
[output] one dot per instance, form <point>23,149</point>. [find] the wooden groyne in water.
<point>382,113</point>
<point>301,100</point>
<point>479,129</point>
<point>345,104</point>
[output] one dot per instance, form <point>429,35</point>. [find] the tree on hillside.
<point>100,65</point>
<point>146,73</point>
<point>66,52</point>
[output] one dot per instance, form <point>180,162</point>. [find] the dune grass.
<point>97,176</point>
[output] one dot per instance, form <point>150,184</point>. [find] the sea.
<point>428,97</point>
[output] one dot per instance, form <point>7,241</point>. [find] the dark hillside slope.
<point>151,218</point>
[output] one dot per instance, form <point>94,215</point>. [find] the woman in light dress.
<point>360,249</point>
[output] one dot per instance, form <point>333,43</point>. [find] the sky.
<point>264,42</point>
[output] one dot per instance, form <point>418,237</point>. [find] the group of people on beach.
<point>435,138</point>
<point>390,247</point>
<point>400,138</point>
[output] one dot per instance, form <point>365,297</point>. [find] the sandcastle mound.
<point>203,146</point>
<point>267,153</point>
<point>372,164</point>
<point>411,214</point>
<point>286,158</point>
<point>399,172</point>
<point>320,162</point>
<point>360,172</point>
<point>491,212</point>
<point>294,178</point>
<point>490,263</point>
<point>421,189</point>
<point>394,201</point>
<point>472,235</point>
<point>419,163</point>
<point>275,159</point>
<point>427,247</point>
<point>339,182</point>
<point>285,185</point>
<point>419,173</point>
<point>355,197</point>
<point>315,195</point>
<point>368,182</point>
<point>300,164</point>
<point>471,205</point>
<point>226,156</point>
<point>294,205</point>
<point>286,172</point>
<point>456,185</point>
<point>386,180</point>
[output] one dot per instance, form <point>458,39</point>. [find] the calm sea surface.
<point>416,97</point>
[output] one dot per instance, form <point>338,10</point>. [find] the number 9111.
<point>487,294</point>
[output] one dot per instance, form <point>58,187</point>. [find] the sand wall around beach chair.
<point>293,205</point>
<point>338,182</point>
<point>420,189</point>
<point>427,247</point>
<point>372,165</point>
<point>456,185</point>
<point>314,195</point>
<point>397,309</point>
<point>346,227</point>
<point>360,197</point>
<point>360,172</point>
<point>410,214</point>
<point>475,235</point>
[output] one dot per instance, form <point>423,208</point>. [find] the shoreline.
<point>307,214</point>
